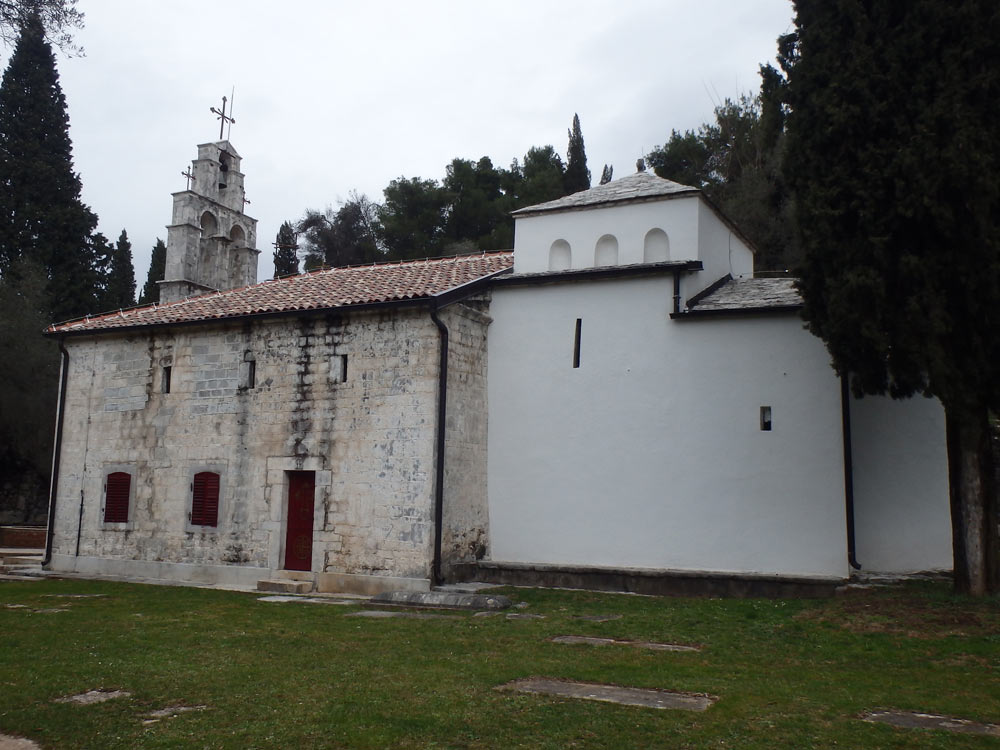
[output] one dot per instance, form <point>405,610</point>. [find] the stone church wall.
<point>368,437</point>
<point>466,516</point>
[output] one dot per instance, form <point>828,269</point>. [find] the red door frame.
<point>299,521</point>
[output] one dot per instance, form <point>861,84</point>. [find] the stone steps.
<point>285,586</point>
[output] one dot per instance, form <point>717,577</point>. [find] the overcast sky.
<point>332,97</point>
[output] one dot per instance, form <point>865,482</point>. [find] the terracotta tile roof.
<point>638,186</point>
<point>751,294</point>
<point>319,290</point>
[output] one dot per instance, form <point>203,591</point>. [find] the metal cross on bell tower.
<point>223,118</point>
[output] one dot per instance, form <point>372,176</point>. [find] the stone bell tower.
<point>211,242</point>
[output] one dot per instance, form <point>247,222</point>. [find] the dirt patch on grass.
<point>907,614</point>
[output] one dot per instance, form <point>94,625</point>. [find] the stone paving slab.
<point>653,646</point>
<point>915,720</point>
<point>169,712</point>
<point>385,613</point>
<point>520,616</point>
<point>441,599</point>
<point>8,742</point>
<point>597,618</point>
<point>93,696</point>
<point>306,600</point>
<point>626,696</point>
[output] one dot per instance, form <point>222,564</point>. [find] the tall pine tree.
<point>286,245</point>
<point>43,218</point>
<point>157,271</point>
<point>577,176</point>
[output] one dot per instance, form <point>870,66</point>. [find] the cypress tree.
<point>44,219</point>
<point>286,259</point>
<point>893,155</point>
<point>119,288</point>
<point>157,271</point>
<point>577,176</point>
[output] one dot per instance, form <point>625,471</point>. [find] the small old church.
<point>616,402</point>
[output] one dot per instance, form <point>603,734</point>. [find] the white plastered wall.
<point>650,454</point>
<point>628,223</point>
<point>902,517</point>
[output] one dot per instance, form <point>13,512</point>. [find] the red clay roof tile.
<point>319,290</point>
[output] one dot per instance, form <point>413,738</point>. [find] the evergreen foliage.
<point>346,237</point>
<point>411,219</point>
<point>57,17</point>
<point>577,175</point>
<point>286,245</point>
<point>893,155</point>
<point>736,161</point>
<point>542,177</point>
<point>157,272</point>
<point>478,211</point>
<point>119,281</point>
<point>44,219</point>
<point>29,366</point>
<point>607,174</point>
<point>468,211</point>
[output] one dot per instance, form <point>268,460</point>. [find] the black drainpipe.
<point>57,451</point>
<point>845,418</point>
<point>442,414</point>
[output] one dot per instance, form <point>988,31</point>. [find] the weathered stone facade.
<point>351,397</point>
<point>465,528</point>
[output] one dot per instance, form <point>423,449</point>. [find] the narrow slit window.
<point>765,418</point>
<point>576,342</point>
<point>166,378</point>
<point>252,374</point>
<point>338,368</point>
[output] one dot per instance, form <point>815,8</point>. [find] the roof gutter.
<point>845,418</point>
<point>57,450</point>
<point>442,415</point>
<point>438,303</point>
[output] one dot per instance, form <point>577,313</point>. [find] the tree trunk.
<point>973,502</point>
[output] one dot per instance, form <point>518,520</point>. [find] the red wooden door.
<point>298,538</point>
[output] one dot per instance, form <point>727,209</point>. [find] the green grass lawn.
<point>787,673</point>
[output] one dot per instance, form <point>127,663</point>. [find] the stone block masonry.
<point>165,404</point>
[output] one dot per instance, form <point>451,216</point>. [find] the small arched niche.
<point>606,251</point>
<point>656,247</point>
<point>209,224</point>
<point>560,256</point>
<point>238,236</point>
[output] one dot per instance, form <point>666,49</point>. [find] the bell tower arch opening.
<point>210,240</point>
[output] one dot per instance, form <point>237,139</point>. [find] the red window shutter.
<point>116,492</point>
<point>205,500</point>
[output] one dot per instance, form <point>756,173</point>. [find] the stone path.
<point>626,696</point>
<point>589,640</point>
<point>597,618</point>
<point>915,720</point>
